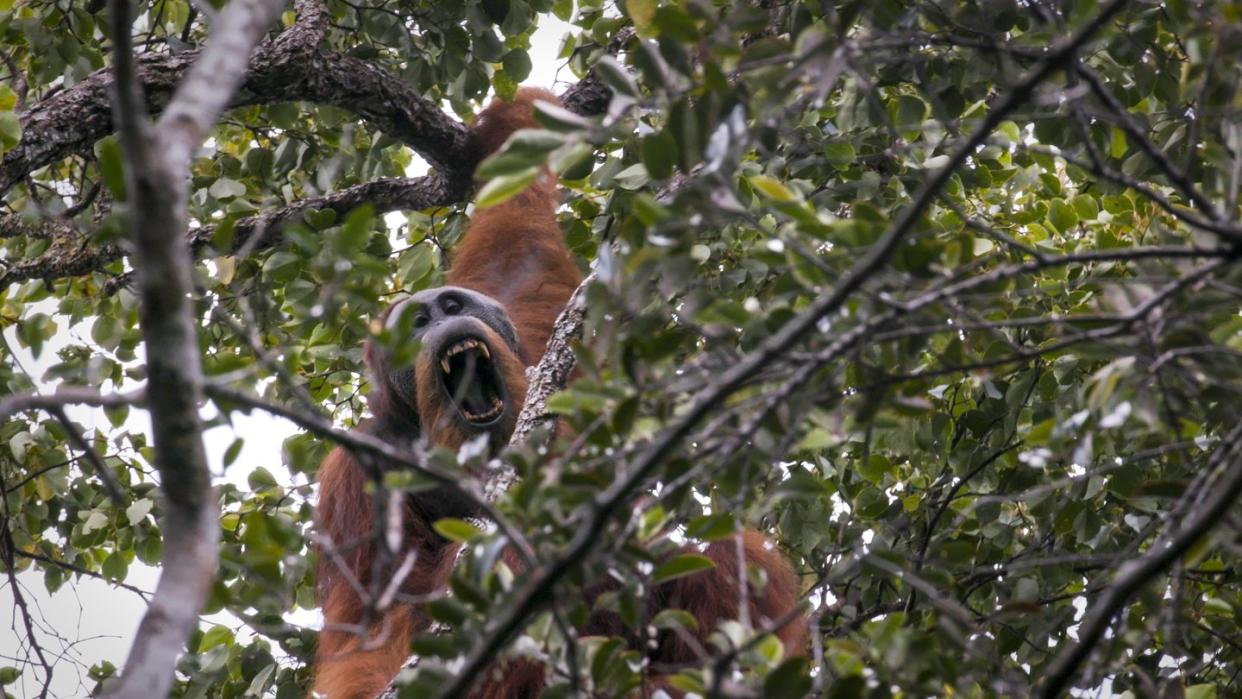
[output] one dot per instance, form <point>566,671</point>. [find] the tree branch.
<point>66,395</point>
<point>71,120</point>
<point>289,69</point>
<point>343,81</point>
<point>157,176</point>
<point>78,440</point>
<point>7,550</point>
<point>355,440</point>
<point>1136,574</point>
<point>537,591</point>
<point>550,375</point>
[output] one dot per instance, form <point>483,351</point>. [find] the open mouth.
<point>470,377</point>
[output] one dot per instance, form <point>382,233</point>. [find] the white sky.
<point>96,619</point>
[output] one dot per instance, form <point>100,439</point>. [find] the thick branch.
<point>71,120</point>
<point>289,69</point>
<point>415,119</point>
<point>157,172</point>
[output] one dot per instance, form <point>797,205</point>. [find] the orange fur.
<point>713,595</point>
<point>515,253</point>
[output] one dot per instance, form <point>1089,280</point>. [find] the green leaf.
<point>773,188</point>
<point>10,130</point>
<point>501,189</point>
<point>1061,215</point>
<point>791,678</point>
<point>260,478</point>
<point>675,619</point>
<point>284,115</point>
<point>115,567</point>
<point>95,520</point>
<point>908,115</point>
<point>111,166</point>
<point>1117,145</point>
<point>456,529</point>
<point>8,98</point>
<point>615,76</point>
<point>642,14</point>
<point>260,681</point>
<point>281,266</point>
<point>535,142</point>
<point>711,527</point>
<point>139,510</point>
<point>675,23</point>
<point>216,636</point>
<point>356,230</point>
<point>320,219</point>
<point>681,566</point>
<point>557,118</point>
<point>659,154</point>
<point>800,484</point>
<point>225,188</point>
<point>840,154</point>
<point>575,162</point>
<point>1086,207</point>
<point>516,64</point>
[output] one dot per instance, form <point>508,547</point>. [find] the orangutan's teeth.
<point>462,347</point>
<point>468,344</point>
<point>498,406</point>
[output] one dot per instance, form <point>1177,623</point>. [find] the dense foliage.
<point>1010,388</point>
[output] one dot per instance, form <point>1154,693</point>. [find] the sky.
<point>97,620</point>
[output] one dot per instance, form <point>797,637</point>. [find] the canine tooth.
<point>483,350</point>
<point>444,363</point>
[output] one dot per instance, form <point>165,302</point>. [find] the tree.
<point>945,296</point>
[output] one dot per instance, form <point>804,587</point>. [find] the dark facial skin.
<point>471,334</point>
<point>445,317</point>
<point>436,307</point>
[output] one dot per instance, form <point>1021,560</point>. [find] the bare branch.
<point>1135,574</point>
<point>66,395</point>
<point>7,549</point>
<point>550,375</point>
<point>92,457</point>
<point>157,172</point>
<point>383,452</point>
